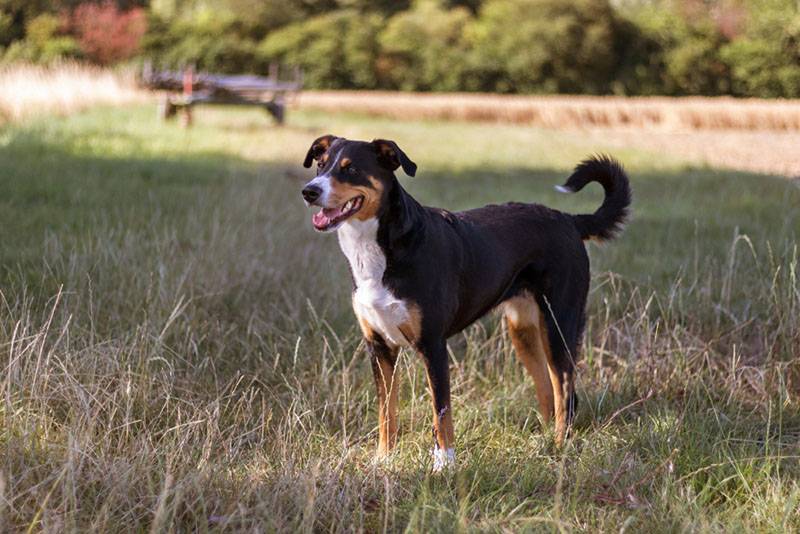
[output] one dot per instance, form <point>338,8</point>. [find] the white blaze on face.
<point>372,301</point>
<point>323,181</point>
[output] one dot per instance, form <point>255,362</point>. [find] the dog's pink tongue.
<point>324,217</point>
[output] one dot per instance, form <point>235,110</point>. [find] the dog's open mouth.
<point>329,218</point>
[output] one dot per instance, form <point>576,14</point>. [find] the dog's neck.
<point>400,223</point>
<point>368,245</point>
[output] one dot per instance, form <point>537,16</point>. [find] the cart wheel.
<point>166,109</point>
<point>278,111</point>
<point>186,116</point>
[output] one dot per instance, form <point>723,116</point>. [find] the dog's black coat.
<point>458,266</point>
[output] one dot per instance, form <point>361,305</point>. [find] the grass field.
<point>751,135</point>
<point>178,351</point>
<point>568,111</point>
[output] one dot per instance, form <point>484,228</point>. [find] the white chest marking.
<point>372,301</point>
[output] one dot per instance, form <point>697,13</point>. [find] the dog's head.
<point>353,178</point>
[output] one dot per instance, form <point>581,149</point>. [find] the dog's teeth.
<point>348,205</point>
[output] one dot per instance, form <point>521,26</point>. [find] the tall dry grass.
<point>181,418</point>
<point>694,113</point>
<point>177,351</point>
<point>28,90</point>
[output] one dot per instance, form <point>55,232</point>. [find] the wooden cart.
<point>187,89</point>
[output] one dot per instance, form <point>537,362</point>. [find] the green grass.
<point>178,351</point>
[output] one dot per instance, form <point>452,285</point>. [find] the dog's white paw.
<point>443,459</point>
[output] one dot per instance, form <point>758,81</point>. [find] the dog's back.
<point>488,246</point>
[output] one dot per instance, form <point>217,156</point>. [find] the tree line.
<point>626,47</point>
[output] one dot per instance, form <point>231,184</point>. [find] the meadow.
<point>179,353</point>
<point>746,134</point>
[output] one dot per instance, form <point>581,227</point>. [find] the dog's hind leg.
<point>523,318</point>
<point>564,400</point>
<point>559,335</point>
<point>383,360</point>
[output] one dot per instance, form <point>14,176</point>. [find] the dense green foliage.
<point>673,47</point>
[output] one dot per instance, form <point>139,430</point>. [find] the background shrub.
<point>425,49</point>
<point>45,41</point>
<point>688,42</point>
<point>107,34</point>
<point>547,46</point>
<point>337,50</point>
<point>206,40</point>
<point>765,61</point>
<point>626,47</point>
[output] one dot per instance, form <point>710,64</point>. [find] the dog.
<point>421,274</point>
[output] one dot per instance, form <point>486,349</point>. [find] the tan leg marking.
<point>522,316</point>
<point>387,407</point>
<point>558,383</point>
<point>412,328</point>
<point>366,329</point>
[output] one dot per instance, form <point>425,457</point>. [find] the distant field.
<point>178,351</point>
<point>742,134</point>
<point>739,134</point>
<point>694,113</point>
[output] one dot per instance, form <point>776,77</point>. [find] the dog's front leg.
<point>437,365</point>
<point>383,360</point>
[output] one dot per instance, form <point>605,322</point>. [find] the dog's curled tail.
<point>608,220</point>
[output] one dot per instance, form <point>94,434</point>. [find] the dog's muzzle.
<point>311,193</point>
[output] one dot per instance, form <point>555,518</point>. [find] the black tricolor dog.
<point>422,274</point>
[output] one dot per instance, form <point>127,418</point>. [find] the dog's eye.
<point>352,170</point>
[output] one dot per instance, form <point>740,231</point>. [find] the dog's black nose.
<point>311,193</point>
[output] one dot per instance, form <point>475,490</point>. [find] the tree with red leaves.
<point>105,33</point>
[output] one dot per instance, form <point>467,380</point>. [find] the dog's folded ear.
<point>318,148</point>
<point>390,155</point>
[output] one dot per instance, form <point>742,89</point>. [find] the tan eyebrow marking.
<point>344,163</point>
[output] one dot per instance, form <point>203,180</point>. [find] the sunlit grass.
<point>33,90</point>
<point>567,111</point>
<point>179,353</point>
